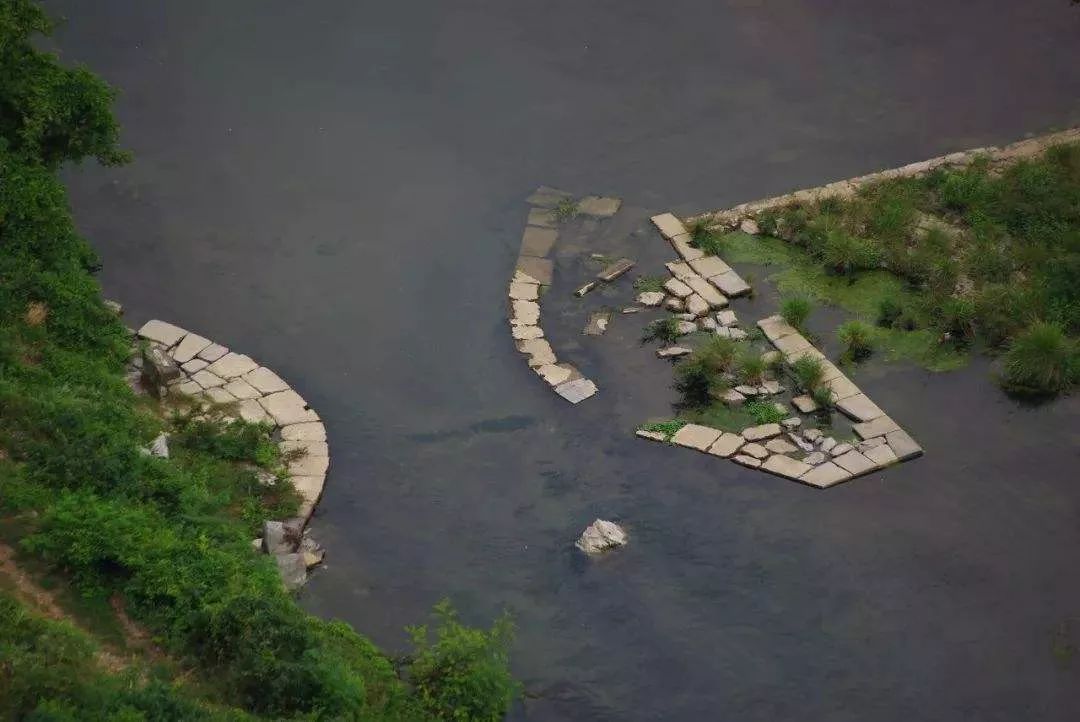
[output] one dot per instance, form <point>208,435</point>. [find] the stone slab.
<point>538,241</point>
<point>758,433</point>
<point>265,380</point>
<point>785,466</point>
<point>542,217</point>
<point>287,407</point>
<point>242,389</point>
<point>536,270</point>
<point>709,266</point>
<point>673,351</point>
<point>524,291</point>
<point>697,306</point>
<point>683,248</point>
<point>650,298</point>
<point>726,445</point>
<point>755,450</point>
<point>673,304</point>
<point>668,225</point>
<point>747,461</point>
<point>695,436</point>
<point>702,288</point>
<point>903,445</point>
<point>207,380</point>
<point>599,206</point>
<point>726,317</point>
<point>775,327</point>
<point>195,364</point>
<point>547,197</point>
<point>854,462</point>
<point>577,390</point>
<point>213,352</point>
<point>232,365</point>
<point>680,269</point>
<point>616,269</point>
<point>878,427</point>
<point>650,435</point>
<point>804,404</point>
<point>189,388</point>
<point>310,447</point>
<point>825,475</point>
<point>731,284</point>
<point>779,446</point>
<point>881,455</point>
<point>524,333</point>
<point>219,395</point>
<point>859,407</point>
<point>251,411</point>
<point>553,374</point>
<point>538,350</point>
<point>310,431</point>
<point>161,332</point>
<point>189,347</point>
<point>524,313</point>
<point>808,351</point>
<point>677,288</point>
<point>791,343</point>
<point>842,387</point>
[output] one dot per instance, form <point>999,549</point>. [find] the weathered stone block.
<point>668,225</point>
<point>309,431</point>
<point>878,427</point>
<point>287,407</point>
<point>547,197</point>
<point>755,450</point>
<point>207,379</point>
<point>854,462</point>
<point>242,389</point>
<point>614,270</point>
<point>825,475</point>
<point>758,433</point>
<point>232,365</point>
<point>524,291</point>
<point>859,407</point>
<point>265,380</point>
<point>696,305</point>
<point>673,351</point>
<point>538,241</point>
<point>542,217</point>
<point>683,248</point>
<point>599,206</point>
<point>189,347</point>
<point>538,350</point>
<point>524,313</point>
<point>158,369</point>
<point>779,446</point>
<point>730,284</point>
<point>804,404</point>
<point>903,445</point>
<point>695,436</point>
<point>524,333</point>
<point>680,269</point>
<point>213,352</point>
<point>881,455</point>
<point>161,332</point>
<point>726,445</point>
<point>709,266</point>
<point>747,461</point>
<point>577,390</point>
<point>785,466</point>
<point>677,288</point>
<point>536,270</point>
<point>775,327</point>
<point>651,298</point>
<point>650,435</point>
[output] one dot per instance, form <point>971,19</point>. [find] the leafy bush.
<point>1041,361</point>
<point>665,330</point>
<point>857,338</point>
<point>808,372</point>
<point>765,412</point>
<point>699,382</point>
<point>823,397</point>
<point>796,310</point>
<point>751,367</point>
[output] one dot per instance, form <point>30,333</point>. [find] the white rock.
<point>860,408</point>
<point>755,450</point>
<point>731,284</point>
<point>707,324</point>
<point>650,435</point>
<point>685,327</point>
<point>524,291</point>
<point>524,313</point>
<point>668,225</point>
<point>854,462</point>
<point>747,460</point>
<point>758,433</point>
<point>827,444</point>
<point>812,435</point>
<point>726,445</point>
<point>779,446</point>
<point>538,350</point>
<point>577,390</point>
<point>553,374</point>
<point>677,288</point>
<point>732,397</point>
<point>709,266</point>
<point>696,305</point>
<point>207,380</point>
<point>600,536</point>
<point>161,332</point>
<point>651,298</point>
<point>524,333</point>
<point>309,465</point>
<point>702,288</point>
<point>785,466</point>
<point>814,458</point>
<point>160,446</point>
<point>695,436</point>
<point>736,334</point>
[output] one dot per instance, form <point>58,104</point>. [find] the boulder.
<point>158,369</point>
<point>685,327</point>
<point>812,435</point>
<point>750,227</point>
<point>674,304</point>
<point>293,570</point>
<point>275,540</point>
<point>791,423</point>
<point>707,324</point>
<point>651,298</point>
<point>733,398</point>
<point>726,317</point>
<point>601,536</point>
<point>312,552</point>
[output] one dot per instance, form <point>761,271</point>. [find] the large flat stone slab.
<point>680,269</point>
<point>668,225</point>
<point>161,332</point>
<point>577,390</point>
<point>854,462</point>
<point>309,431</point>
<point>903,445</point>
<point>189,347</point>
<point>542,217</point>
<point>536,270</point>
<point>701,287</point>
<point>881,455</point>
<point>524,313</point>
<point>731,284</point>
<point>242,389</point>
<point>791,343</point>
<point>213,352</point>
<point>696,436</point>
<point>538,241</point>
<point>677,288</point>
<point>825,475</point>
<point>232,365</point>
<point>764,431</point>
<point>785,466</point>
<point>265,380</point>
<point>726,445</point>
<point>207,380</point>
<point>538,350</point>
<point>878,427</point>
<point>683,248</point>
<point>553,374</point>
<point>859,407</point>
<point>709,266</point>
<point>252,411</point>
<point>287,407</point>
<point>775,327</point>
<point>524,291</point>
<point>842,387</point>
<point>599,206</point>
<point>523,333</point>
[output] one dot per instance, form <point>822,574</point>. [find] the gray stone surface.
<point>275,540</point>
<point>708,266</point>
<point>702,288</point>
<point>524,291</point>
<point>189,347</point>
<point>815,457</point>
<point>775,327</point>
<point>650,298</point>
<point>213,352</point>
<point>159,447</point>
<point>683,248</point>
<point>310,447</point>
<point>792,423</point>
<point>252,411</point>
<point>232,365</point>
<point>673,351</point>
<point>840,449</point>
<point>600,536</point>
<point>804,404</point>
<point>287,407</point>
<point>764,431</point>
<point>697,305</point>
<point>599,206</point>
<point>827,444</point>
<point>553,374</point>
<point>785,466</point>
<point>161,332</point>
<point>309,465</point>
<point>538,241</point>
<point>903,445</point>
<point>842,387</point>
<point>825,475</point>
<point>686,327</point>
<point>726,445</point>
<point>878,427</point>
<point>680,269</point>
<point>863,446</point>
<point>771,357</point>
<point>265,380</point>
<point>695,436</point>
<point>293,570</point>
<point>158,368</point>
<point>616,269</point>
<point>577,390</point>
<point>309,431</point>
<point>732,397</point>
<point>779,446</point>
<point>536,270</point>
<point>750,226</point>
<point>746,390</point>
<point>668,225</point>
<point>597,324</point>
<point>859,407</point>
<point>772,387</point>
<point>524,313</point>
<point>755,450</point>
<point>799,441</point>
<point>195,364</point>
<point>731,284</point>
<point>189,388</point>
<point>854,462</point>
<point>207,379</point>
<point>242,389</point>
<point>218,395</point>
<point>707,324</point>
<point>650,435</point>
<point>813,435</point>
<point>677,288</point>
<point>791,343</point>
<point>747,461</point>
<point>726,317</point>
<point>881,455</point>
<point>674,303</point>
<point>588,287</point>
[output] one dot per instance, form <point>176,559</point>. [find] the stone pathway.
<point>533,275</point>
<point>195,366</point>
<point>782,449</point>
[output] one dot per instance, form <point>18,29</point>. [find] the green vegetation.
<point>943,264</point>
<point>808,372</point>
<point>702,377</point>
<point>565,210</point>
<point>765,412</point>
<point>857,338</point>
<point>665,330</point>
<point>751,367</point>
<point>168,537</point>
<point>1041,361</point>
<point>706,239</point>
<point>796,310</point>
<point>667,428</point>
<point>643,284</point>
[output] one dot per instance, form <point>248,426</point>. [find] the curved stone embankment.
<point>732,217</point>
<point>782,449</point>
<point>190,364</point>
<point>533,275</point>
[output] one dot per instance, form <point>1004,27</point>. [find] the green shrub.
<point>1041,361</point>
<point>667,428</point>
<point>765,412</point>
<point>808,372</point>
<point>665,330</point>
<point>890,312</point>
<point>565,210</point>
<point>751,368</point>
<point>823,397</point>
<point>699,382</point>
<point>649,283</point>
<point>857,338</point>
<point>846,254</point>
<point>703,237</point>
<point>796,310</point>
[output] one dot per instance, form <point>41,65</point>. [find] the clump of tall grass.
<point>1041,361</point>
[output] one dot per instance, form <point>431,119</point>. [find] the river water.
<point>336,188</point>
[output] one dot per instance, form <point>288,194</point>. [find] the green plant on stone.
<point>667,428</point>
<point>1041,361</point>
<point>765,412</point>
<point>808,372</point>
<point>565,210</point>
<point>796,310</point>
<point>857,338</point>
<point>698,382</point>
<point>751,367</point>
<point>822,395</point>
<point>665,330</point>
<point>643,284</point>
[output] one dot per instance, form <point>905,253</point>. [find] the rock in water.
<point>600,536</point>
